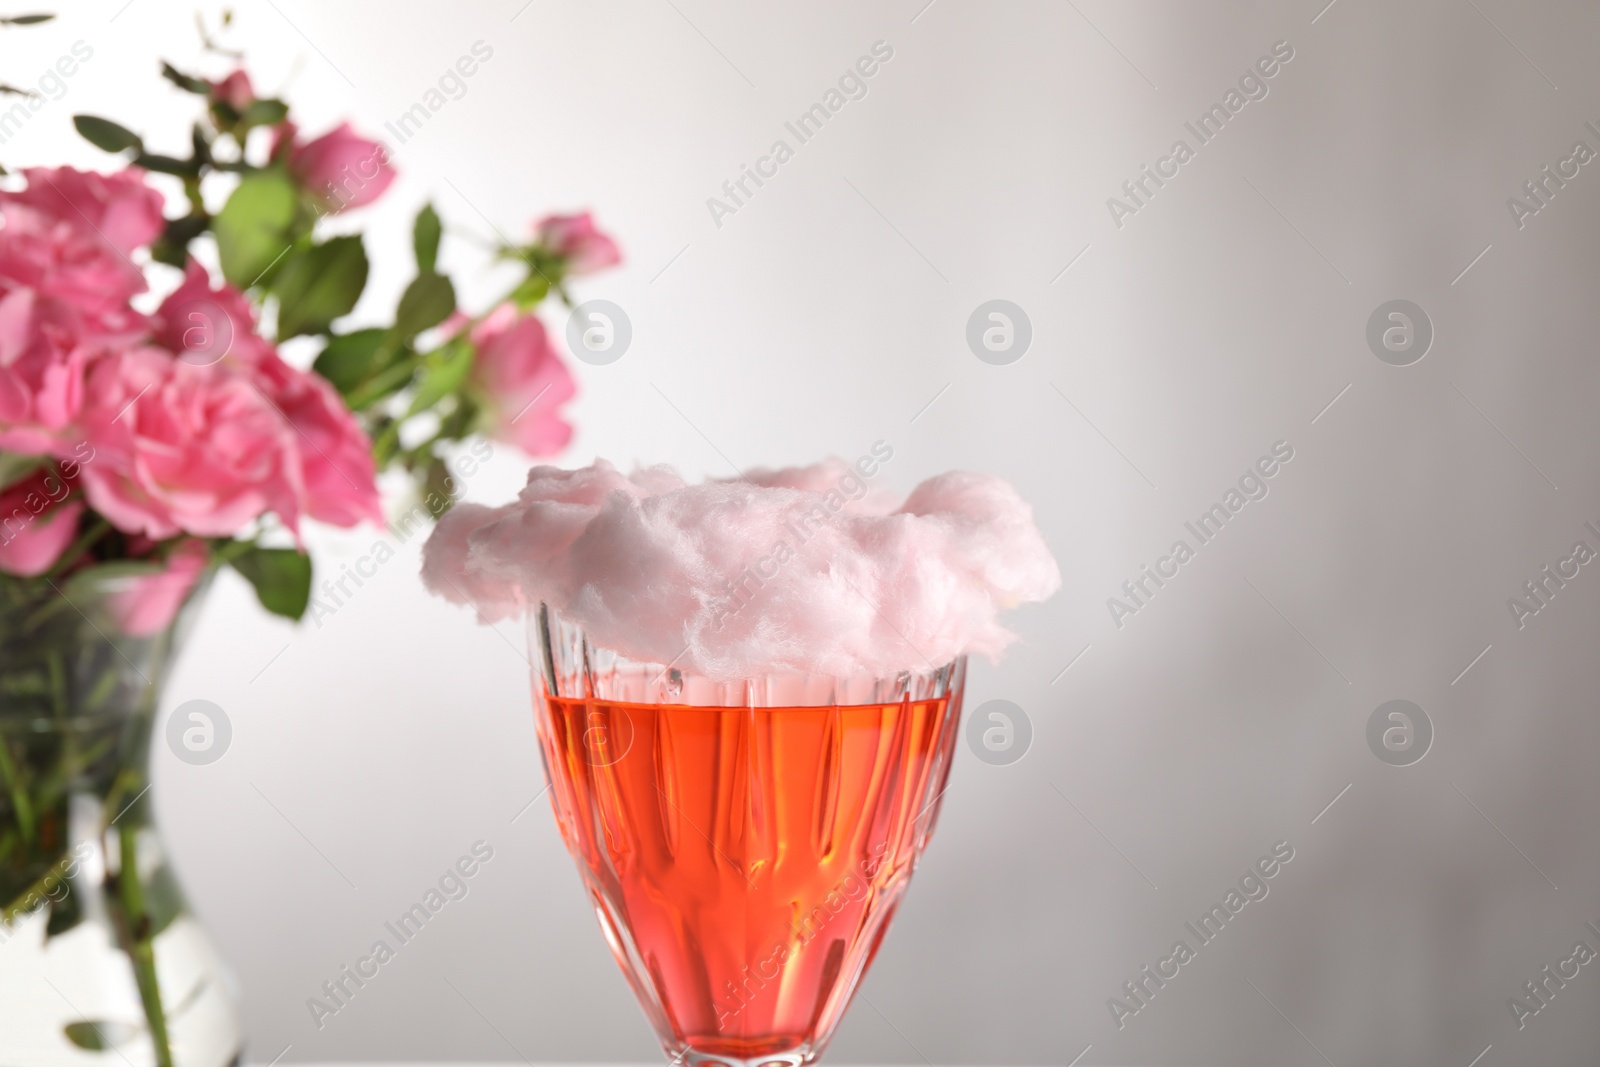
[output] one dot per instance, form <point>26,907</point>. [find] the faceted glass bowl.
<point>744,843</point>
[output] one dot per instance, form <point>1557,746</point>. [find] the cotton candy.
<point>800,569</point>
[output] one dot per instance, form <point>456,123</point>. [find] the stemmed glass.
<point>745,843</point>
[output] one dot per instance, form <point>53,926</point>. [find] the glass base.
<point>795,1057</point>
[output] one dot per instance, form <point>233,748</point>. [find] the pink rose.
<point>66,261</point>
<point>579,243</point>
<point>37,522</point>
<point>182,448</point>
<point>41,373</point>
<point>65,283</point>
<point>522,381</point>
<point>120,208</point>
<point>337,471</point>
<point>235,90</point>
<point>61,255</point>
<point>205,325</point>
<point>147,604</point>
<point>341,167</point>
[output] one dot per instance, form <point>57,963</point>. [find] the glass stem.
<point>139,947</point>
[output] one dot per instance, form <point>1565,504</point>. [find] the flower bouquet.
<point>146,442</point>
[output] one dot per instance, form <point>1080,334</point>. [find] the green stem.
<point>140,949</point>
<point>39,892</point>
<point>227,550</point>
<point>19,792</point>
<point>35,893</point>
<point>125,780</point>
<point>97,529</point>
<point>385,444</point>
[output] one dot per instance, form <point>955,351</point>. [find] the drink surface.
<point>745,862</point>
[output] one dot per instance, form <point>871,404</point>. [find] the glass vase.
<point>745,843</point>
<point>100,958</point>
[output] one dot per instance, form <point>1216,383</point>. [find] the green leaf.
<point>99,1036</point>
<point>425,239</point>
<point>533,289</point>
<point>264,113</point>
<point>442,374</point>
<point>281,576</point>
<point>168,164</point>
<point>107,135</point>
<point>350,357</point>
<point>14,467</point>
<point>26,20</point>
<point>391,379</point>
<point>318,284</point>
<point>255,226</point>
<point>427,301</point>
<point>186,82</point>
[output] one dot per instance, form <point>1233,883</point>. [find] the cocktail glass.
<point>744,843</point>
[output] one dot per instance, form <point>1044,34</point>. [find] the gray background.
<point>371,751</point>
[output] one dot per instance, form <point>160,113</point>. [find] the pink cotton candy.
<point>802,569</point>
